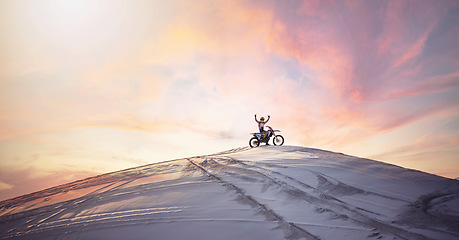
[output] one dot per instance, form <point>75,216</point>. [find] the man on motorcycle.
<point>261,125</point>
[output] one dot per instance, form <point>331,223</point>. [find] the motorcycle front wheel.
<point>253,142</point>
<point>278,140</point>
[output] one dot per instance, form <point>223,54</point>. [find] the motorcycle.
<point>265,137</point>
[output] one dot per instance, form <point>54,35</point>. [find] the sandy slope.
<point>269,192</point>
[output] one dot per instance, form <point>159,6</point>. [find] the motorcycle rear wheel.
<point>254,142</point>
<point>278,140</point>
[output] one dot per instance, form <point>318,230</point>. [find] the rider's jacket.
<point>261,125</point>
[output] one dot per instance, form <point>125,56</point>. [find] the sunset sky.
<point>89,87</point>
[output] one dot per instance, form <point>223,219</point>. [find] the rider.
<point>261,123</point>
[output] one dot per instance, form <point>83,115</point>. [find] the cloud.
<point>136,161</point>
<point>427,86</point>
<point>15,182</point>
<point>433,150</point>
<point>5,186</point>
<point>414,51</point>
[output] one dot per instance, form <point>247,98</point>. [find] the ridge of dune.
<point>270,192</point>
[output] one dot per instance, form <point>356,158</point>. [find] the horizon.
<point>92,87</point>
<point>188,157</point>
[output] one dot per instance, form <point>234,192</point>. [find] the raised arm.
<point>268,118</point>
<point>256,118</point>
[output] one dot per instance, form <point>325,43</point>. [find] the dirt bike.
<point>265,137</point>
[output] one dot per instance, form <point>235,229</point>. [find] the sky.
<point>90,86</point>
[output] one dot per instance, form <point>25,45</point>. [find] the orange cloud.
<point>25,181</point>
<point>218,32</point>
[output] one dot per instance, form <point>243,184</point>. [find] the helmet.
<point>262,119</point>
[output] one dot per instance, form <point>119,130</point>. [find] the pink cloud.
<point>414,51</point>
<point>353,60</point>
<point>393,27</point>
<point>427,86</point>
<point>310,8</point>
